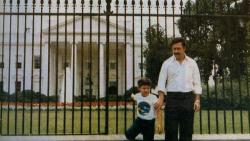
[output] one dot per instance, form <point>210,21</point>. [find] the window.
<point>1,86</point>
<point>113,88</point>
<point>141,66</point>
<point>1,64</point>
<point>18,86</point>
<point>88,80</point>
<point>19,65</point>
<point>37,61</point>
<point>112,65</point>
<point>66,64</point>
<point>88,64</point>
<point>88,92</point>
<point>112,83</point>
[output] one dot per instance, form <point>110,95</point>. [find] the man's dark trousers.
<point>179,115</point>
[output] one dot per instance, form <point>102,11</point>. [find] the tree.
<point>222,39</point>
<point>248,44</point>
<point>156,52</point>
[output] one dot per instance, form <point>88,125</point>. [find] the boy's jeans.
<point>146,127</point>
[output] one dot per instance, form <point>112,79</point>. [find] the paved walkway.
<point>204,137</point>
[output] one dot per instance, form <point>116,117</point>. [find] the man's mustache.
<point>176,53</point>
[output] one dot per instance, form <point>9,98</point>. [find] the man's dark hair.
<point>178,40</point>
<point>144,81</point>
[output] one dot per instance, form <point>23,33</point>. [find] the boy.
<point>145,121</point>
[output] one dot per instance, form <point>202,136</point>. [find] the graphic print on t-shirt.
<point>143,108</point>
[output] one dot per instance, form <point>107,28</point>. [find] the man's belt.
<point>179,95</point>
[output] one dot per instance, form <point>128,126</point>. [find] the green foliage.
<point>26,96</point>
<point>3,96</point>
<point>112,96</point>
<point>84,98</point>
<point>225,103</point>
<point>132,90</point>
<point>156,52</point>
<point>222,40</point>
<point>118,98</point>
<point>248,38</point>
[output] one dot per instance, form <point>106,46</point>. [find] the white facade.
<point>12,37</point>
<point>76,53</point>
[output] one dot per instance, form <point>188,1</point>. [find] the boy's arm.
<point>133,96</point>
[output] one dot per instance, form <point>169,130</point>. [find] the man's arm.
<point>197,103</point>
<point>197,97</point>
<point>160,100</point>
<point>197,88</point>
<point>159,121</point>
<point>161,86</point>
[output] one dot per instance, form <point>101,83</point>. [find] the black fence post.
<point>108,12</point>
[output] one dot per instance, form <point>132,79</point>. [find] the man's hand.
<point>159,128</point>
<point>159,120</point>
<point>159,102</point>
<point>197,105</point>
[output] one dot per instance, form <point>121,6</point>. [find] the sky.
<point>137,23</point>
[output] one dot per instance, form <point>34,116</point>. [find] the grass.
<point>112,122</point>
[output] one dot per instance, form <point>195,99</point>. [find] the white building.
<point>65,62</point>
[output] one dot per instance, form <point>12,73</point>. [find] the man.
<point>179,80</point>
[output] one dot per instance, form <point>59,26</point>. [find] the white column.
<point>72,71</point>
<point>44,67</point>
<point>68,81</point>
<point>129,65</point>
<point>102,71</point>
<point>52,72</point>
<point>76,72</point>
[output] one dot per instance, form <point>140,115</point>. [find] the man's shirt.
<point>179,77</point>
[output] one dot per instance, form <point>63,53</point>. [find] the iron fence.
<point>67,66</point>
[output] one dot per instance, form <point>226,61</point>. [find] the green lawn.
<point>112,122</point>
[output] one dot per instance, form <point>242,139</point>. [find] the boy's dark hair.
<point>178,40</point>
<point>144,81</point>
